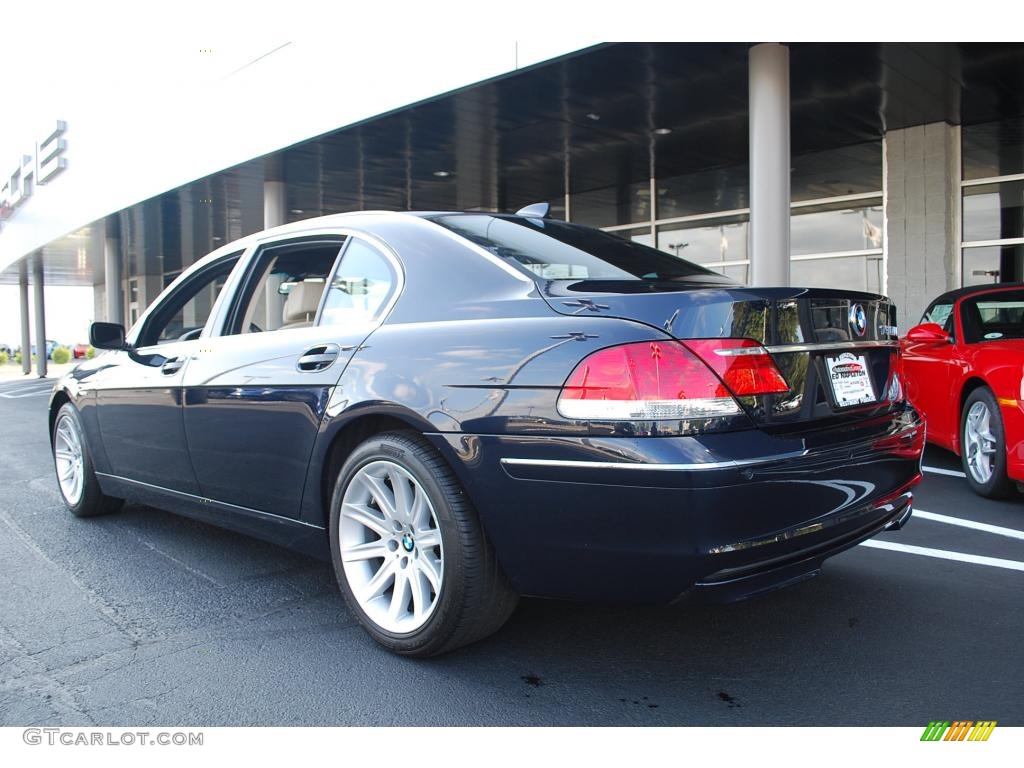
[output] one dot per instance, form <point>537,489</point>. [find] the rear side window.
<point>359,288</point>
<point>554,250</point>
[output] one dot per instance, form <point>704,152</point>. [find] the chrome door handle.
<point>171,366</point>
<point>318,358</point>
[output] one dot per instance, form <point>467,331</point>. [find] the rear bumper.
<point>720,516</point>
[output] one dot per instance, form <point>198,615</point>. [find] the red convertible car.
<point>964,370</point>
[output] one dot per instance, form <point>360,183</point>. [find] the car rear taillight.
<point>644,381</point>
<point>744,365</point>
<point>894,392</point>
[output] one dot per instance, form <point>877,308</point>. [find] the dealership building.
<point>885,167</point>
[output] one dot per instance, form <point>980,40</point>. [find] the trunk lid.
<point>820,339</point>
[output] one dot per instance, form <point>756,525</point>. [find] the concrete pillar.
<point>275,200</point>
<point>26,334</point>
<point>922,212</point>
<point>769,164</point>
<point>40,307</point>
<point>112,273</point>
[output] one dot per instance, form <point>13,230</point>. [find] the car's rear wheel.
<point>983,445</point>
<point>76,477</point>
<point>409,553</point>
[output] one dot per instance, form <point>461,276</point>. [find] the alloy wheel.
<point>979,442</point>
<point>390,547</point>
<point>67,452</point>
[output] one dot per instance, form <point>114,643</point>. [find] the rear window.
<point>993,316</point>
<point>554,250</point>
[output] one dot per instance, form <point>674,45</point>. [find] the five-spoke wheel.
<point>391,548</point>
<point>982,447</point>
<point>409,553</point>
<point>76,478</point>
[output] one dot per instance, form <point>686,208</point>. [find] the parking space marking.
<point>939,471</point>
<point>942,554</point>
<point>1013,533</point>
<point>27,390</point>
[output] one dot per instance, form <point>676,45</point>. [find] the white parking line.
<point>26,391</point>
<point>938,471</point>
<point>1013,533</point>
<point>963,557</point>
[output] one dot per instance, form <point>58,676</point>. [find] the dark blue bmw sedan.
<point>461,408</point>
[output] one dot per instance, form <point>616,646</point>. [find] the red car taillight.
<point>667,380</point>
<point>744,365</point>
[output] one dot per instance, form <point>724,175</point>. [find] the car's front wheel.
<point>408,550</point>
<point>983,446</point>
<point>75,475</point>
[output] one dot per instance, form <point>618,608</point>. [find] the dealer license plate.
<point>851,381</point>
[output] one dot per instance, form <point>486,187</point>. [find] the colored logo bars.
<point>961,730</point>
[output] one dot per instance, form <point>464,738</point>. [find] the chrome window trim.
<point>283,238</point>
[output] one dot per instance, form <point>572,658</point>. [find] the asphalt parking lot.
<point>145,618</point>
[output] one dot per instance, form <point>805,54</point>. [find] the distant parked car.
<point>80,351</point>
<point>50,346</point>
<point>962,368</point>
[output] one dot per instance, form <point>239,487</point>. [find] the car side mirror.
<point>107,335</point>
<point>928,333</point>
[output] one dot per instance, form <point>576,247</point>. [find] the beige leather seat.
<point>301,305</point>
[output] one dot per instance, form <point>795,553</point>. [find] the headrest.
<point>302,303</point>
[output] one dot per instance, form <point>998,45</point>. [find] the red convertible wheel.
<point>982,446</point>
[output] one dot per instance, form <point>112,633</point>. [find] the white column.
<point>769,164</point>
<point>274,201</point>
<point>37,287</point>
<point>112,276</point>
<point>26,334</point>
<point>275,198</point>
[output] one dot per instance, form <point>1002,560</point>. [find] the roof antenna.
<point>538,210</point>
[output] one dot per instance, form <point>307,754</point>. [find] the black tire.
<point>475,598</point>
<point>998,486</point>
<point>92,501</point>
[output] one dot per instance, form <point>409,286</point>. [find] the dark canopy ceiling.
<point>592,116</point>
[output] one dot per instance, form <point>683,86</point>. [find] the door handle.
<point>318,358</point>
<point>172,366</point>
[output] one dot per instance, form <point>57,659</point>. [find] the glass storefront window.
<point>827,231</point>
<point>857,273</point>
<point>851,170</point>
<point>704,243</point>
<point>721,189</point>
<point>993,211</point>
<point>992,149</point>
<point>987,264</point>
<point>640,235</point>
<point>610,206</point>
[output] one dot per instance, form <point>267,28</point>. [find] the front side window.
<point>182,314</point>
<point>940,314</point>
<point>284,287</point>
<point>554,250</point>
<point>993,317</point>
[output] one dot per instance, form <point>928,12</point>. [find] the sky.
<point>69,311</point>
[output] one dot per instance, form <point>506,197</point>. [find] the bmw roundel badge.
<point>858,319</point>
